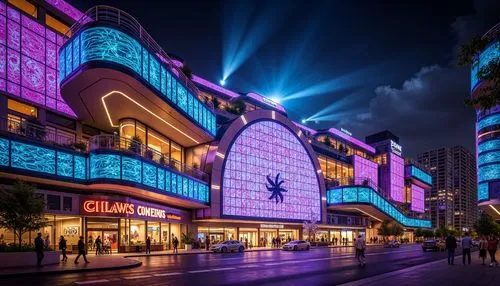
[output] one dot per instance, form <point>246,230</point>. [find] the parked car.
<point>297,245</point>
<point>391,244</point>
<point>434,245</point>
<point>228,246</point>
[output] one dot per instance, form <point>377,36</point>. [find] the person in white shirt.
<point>466,245</point>
<point>360,245</point>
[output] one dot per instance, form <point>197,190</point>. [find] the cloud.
<point>426,111</point>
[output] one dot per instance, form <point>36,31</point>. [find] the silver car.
<point>228,246</point>
<point>297,245</point>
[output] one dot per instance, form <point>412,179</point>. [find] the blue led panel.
<point>179,185</point>
<point>489,54</point>
<point>182,97</point>
<point>154,72</point>
<point>195,190</point>
<point>421,175</point>
<point>490,157</point>
<point>131,169</point>
<point>149,175</point>
<point>163,81</point>
<point>76,52</point>
<point>33,158</point>
<point>350,195</point>
<point>482,192</point>
<point>80,167</point>
<point>161,179</point>
<point>488,172</point>
<point>104,166</point>
<point>145,64</point>
<point>69,58</point>
<point>64,164</point>
<point>168,181</point>
<point>488,121</point>
<point>191,189</point>
<point>488,146</point>
<point>4,152</point>
<point>174,183</point>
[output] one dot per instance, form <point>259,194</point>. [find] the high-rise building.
<point>451,201</point>
<point>487,131</point>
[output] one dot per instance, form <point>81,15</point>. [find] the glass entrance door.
<point>109,240</point>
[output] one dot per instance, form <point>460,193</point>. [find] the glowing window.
<point>56,24</point>
<point>22,108</point>
<point>25,6</point>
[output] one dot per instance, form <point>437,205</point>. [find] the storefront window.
<point>266,237</point>
<point>176,152</point>
<point>124,232</point>
<point>140,131</point>
<point>137,232</point>
<point>154,232</point>
<point>175,230</point>
<point>249,237</point>
<point>158,142</point>
<point>288,235</point>
<point>165,235</point>
<point>230,234</point>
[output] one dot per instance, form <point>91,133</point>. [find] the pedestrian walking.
<point>148,245</point>
<point>46,242</point>
<point>207,243</point>
<point>274,242</point>
<point>360,246</point>
<point>81,251</point>
<point>98,245</point>
<point>175,243</point>
<point>466,245</point>
<point>492,249</point>
<point>62,248</point>
<point>451,245</point>
<point>39,244</point>
<point>483,248</point>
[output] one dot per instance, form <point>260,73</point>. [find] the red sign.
<point>126,208</point>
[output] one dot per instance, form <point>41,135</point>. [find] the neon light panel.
<point>268,148</point>
<point>417,199</point>
<point>365,169</point>
<point>482,192</point>
<point>488,146</point>
<point>489,54</point>
<point>397,178</point>
<point>364,195</point>
<point>488,121</point>
<point>28,65</point>
<point>488,172</point>
<point>416,172</point>
<point>490,157</point>
<point>107,44</point>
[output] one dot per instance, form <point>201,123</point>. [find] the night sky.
<point>365,66</point>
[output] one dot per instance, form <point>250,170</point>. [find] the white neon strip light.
<point>215,187</point>
<point>144,108</point>
<point>299,133</point>
<point>244,120</point>
<point>220,155</point>
<point>487,133</point>
<point>273,114</point>
<point>495,209</point>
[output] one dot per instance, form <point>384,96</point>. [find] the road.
<point>323,266</point>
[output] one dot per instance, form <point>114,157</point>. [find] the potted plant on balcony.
<point>135,144</point>
<point>188,241</point>
<point>34,128</point>
<point>148,154</point>
<point>163,161</point>
<point>80,146</point>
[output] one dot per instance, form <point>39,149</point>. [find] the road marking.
<point>168,274</point>
<point>372,279</point>
<point>199,271</point>
<point>222,269</point>
<point>249,266</point>
<point>92,281</point>
<point>136,277</point>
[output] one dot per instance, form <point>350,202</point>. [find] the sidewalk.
<point>439,273</point>
<point>97,263</point>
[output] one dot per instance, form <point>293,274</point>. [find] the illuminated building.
<point>451,202</point>
<point>122,144</point>
<point>487,132</point>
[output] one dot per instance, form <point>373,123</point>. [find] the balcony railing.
<point>23,127</point>
<point>123,144</point>
<point>111,15</point>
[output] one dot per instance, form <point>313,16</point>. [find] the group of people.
<point>343,241</point>
<point>489,245</point>
<point>100,246</point>
<point>276,241</point>
<point>40,246</point>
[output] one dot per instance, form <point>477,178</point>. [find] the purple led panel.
<point>268,148</point>
<point>353,140</point>
<point>28,65</point>
<point>212,86</point>
<point>66,8</point>
<point>417,199</point>
<point>365,169</point>
<point>397,168</point>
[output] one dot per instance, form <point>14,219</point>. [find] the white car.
<point>228,246</point>
<point>297,245</point>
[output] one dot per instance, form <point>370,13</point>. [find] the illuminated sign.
<point>269,101</point>
<point>71,230</point>
<point>396,148</point>
<point>346,131</point>
<point>126,208</point>
<point>272,226</point>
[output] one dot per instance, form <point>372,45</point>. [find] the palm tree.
<point>186,70</point>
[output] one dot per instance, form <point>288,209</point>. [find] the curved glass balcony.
<point>367,196</point>
<point>117,38</point>
<point>20,156</point>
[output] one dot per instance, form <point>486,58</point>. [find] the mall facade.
<point>121,144</point>
<point>487,131</point>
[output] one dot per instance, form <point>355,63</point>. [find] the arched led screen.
<point>268,174</point>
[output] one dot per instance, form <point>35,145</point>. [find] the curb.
<point>137,263</point>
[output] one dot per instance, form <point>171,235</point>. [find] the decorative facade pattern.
<point>268,148</point>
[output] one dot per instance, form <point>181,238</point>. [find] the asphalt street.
<point>322,266</point>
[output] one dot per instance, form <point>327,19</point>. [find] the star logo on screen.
<point>275,188</point>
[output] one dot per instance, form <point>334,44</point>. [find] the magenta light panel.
<point>28,60</point>
<point>66,8</point>
<point>417,199</point>
<point>365,169</point>
<point>267,148</point>
<point>397,178</point>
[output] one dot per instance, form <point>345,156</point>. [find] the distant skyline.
<point>365,66</point>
